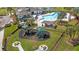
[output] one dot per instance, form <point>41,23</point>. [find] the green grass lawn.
<point>3,11</point>
<point>10,29</point>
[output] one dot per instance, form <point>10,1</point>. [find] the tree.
<point>72,31</point>
<point>61,15</point>
<point>76,10</point>
<point>77,30</point>
<point>64,9</point>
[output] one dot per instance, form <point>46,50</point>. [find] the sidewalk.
<point>1,38</point>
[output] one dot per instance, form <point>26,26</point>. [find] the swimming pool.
<point>50,17</point>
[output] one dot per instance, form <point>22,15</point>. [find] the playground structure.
<point>42,34</point>
<point>27,31</point>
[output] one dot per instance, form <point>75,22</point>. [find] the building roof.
<point>4,20</point>
<point>48,22</point>
<point>28,10</point>
<point>20,11</point>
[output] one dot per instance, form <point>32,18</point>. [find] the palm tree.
<point>77,30</point>
<point>72,31</point>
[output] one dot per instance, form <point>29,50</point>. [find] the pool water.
<point>50,17</point>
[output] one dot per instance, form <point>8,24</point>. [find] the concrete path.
<point>20,48</point>
<point>1,38</point>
